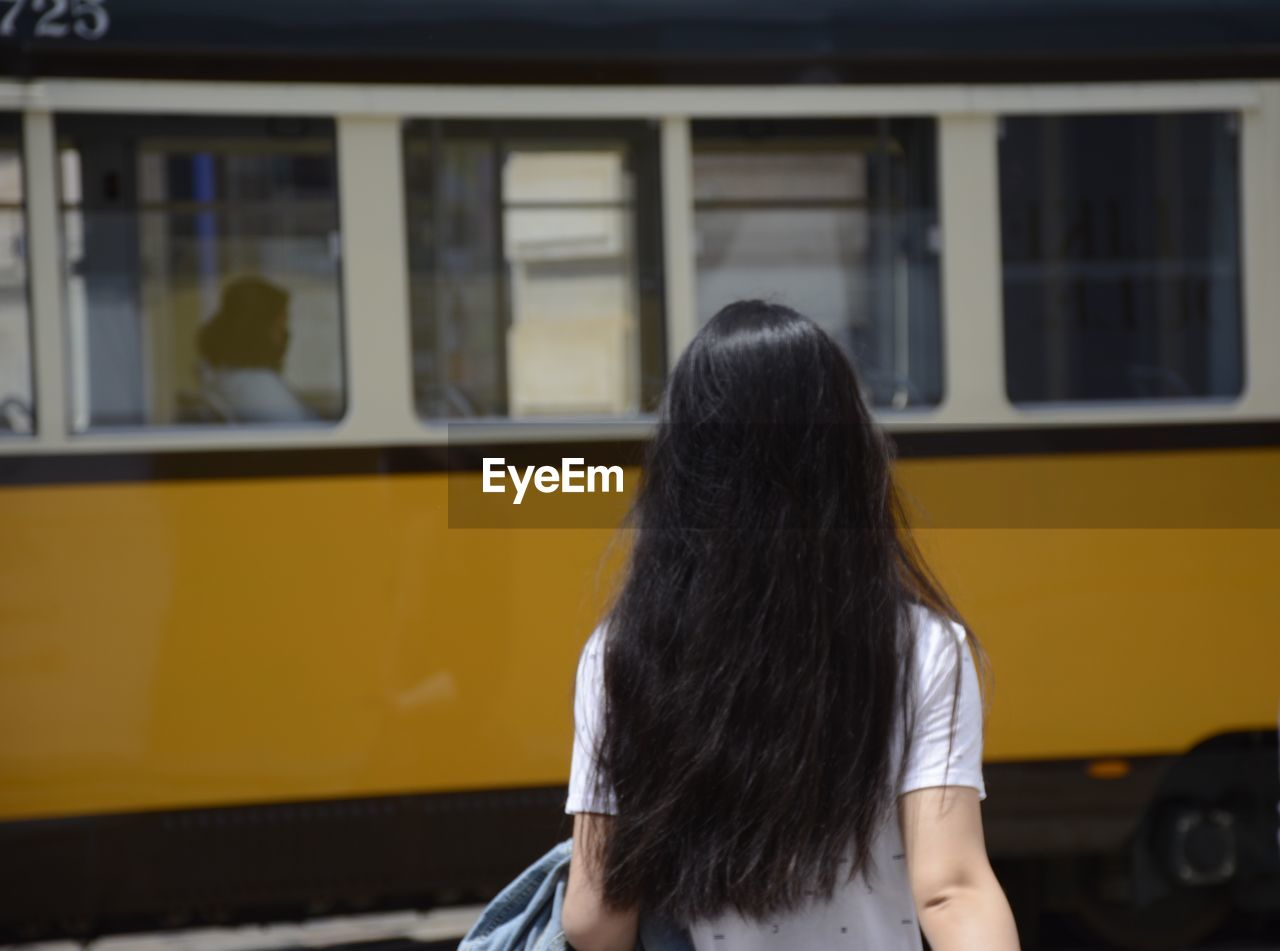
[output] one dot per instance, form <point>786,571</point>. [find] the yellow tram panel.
<point>189,643</point>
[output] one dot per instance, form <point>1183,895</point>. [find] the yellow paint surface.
<point>192,643</point>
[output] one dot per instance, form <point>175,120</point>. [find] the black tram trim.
<point>652,41</point>
<point>1242,63</point>
<point>213,463</point>
<point>82,876</point>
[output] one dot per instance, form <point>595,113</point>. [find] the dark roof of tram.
<point>661,40</point>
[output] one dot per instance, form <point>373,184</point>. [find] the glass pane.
<point>202,272</point>
<point>17,406</point>
<point>457,307</point>
<point>10,165</point>
<point>239,171</point>
<point>533,269</point>
<point>563,176</point>
<point>837,220</point>
<point>781,174</point>
<point>1120,238</point>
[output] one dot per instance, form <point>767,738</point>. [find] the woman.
<point>779,726</point>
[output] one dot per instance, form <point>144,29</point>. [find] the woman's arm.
<point>588,924</point>
<point>960,903</point>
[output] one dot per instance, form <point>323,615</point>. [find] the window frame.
<point>367,118</point>
<point>12,125</point>
<point>643,146</point>
<point>1240,317</point>
<point>823,134</point>
<point>168,129</point>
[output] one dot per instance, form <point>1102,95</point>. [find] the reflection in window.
<point>202,270</point>
<point>1120,238</point>
<point>532,257</point>
<point>17,408</point>
<point>838,220</point>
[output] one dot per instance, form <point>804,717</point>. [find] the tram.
<point>275,279</point>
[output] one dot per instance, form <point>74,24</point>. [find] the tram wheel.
<point>1108,904</point>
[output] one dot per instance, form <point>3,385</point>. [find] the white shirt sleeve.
<point>937,756</point>
<point>588,715</point>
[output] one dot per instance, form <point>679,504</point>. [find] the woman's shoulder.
<point>242,376</point>
<point>938,639</point>
<point>591,658</point>
<point>258,394</point>
<point>595,642</point>
<point>932,628</point>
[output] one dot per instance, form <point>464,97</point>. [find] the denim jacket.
<point>526,914</point>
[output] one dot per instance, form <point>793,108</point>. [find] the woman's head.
<point>757,653</point>
<point>757,361</point>
<point>250,328</point>
<point>763,427</point>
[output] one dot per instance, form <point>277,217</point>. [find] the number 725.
<point>87,19</point>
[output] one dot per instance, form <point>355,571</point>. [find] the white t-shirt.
<point>254,395</point>
<point>879,913</point>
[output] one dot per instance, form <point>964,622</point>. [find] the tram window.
<point>17,406</point>
<point>533,268</point>
<point>837,219</point>
<point>202,274</point>
<point>1121,246</point>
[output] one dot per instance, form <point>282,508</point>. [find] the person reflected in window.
<point>243,346</point>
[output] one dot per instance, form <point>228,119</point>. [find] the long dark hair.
<point>758,654</point>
